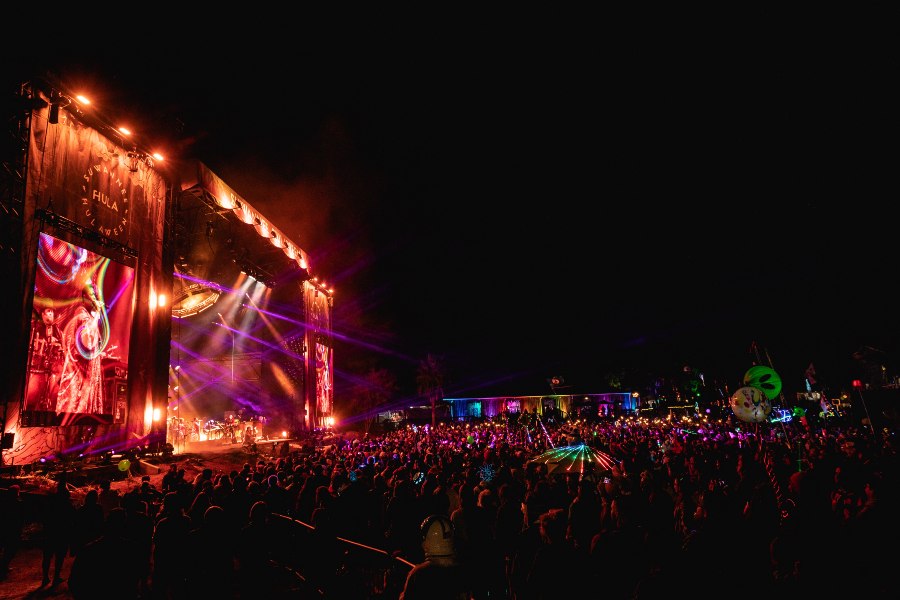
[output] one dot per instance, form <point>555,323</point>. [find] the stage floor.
<point>215,446</point>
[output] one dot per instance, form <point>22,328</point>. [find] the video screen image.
<point>82,313</point>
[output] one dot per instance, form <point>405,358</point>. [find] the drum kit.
<point>44,370</point>
<point>213,429</point>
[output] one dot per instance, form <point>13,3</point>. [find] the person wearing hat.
<point>440,575</point>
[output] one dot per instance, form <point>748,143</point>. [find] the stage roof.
<point>217,230</point>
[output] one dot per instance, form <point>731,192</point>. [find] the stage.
<point>268,447</point>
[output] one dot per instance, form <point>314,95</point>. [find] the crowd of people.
<point>690,505</point>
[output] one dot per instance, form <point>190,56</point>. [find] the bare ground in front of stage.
<point>218,456</point>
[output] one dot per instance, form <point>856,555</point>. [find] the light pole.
<point>231,331</point>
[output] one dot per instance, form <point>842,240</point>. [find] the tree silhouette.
<point>376,388</point>
<point>430,382</point>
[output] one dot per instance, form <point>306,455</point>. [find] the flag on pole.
<point>811,374</point>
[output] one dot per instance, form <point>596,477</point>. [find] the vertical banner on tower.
<point>322,361</point>
<point>323,378</point>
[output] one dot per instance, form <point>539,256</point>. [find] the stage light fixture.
<point>56,102</point>
<point>135,158</point>
<point>194,299</point>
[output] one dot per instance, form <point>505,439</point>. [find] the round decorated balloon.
<point>764,378</point>
<point>750,404</point>
<point>124,464</point>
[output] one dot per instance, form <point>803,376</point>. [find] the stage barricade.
<point>338,567</point>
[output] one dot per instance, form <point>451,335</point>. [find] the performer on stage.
<point>81,383</point>
<point>249,434</point>
<point>179,434</point>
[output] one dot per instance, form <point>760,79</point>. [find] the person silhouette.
<point>440,575</point>
<point>58,521</point>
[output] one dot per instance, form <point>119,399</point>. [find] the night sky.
<point>524,214</point>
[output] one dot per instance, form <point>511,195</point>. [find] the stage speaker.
<point>119,389</point>
<point>8,441</point>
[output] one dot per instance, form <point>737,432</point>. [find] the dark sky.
<point>530,213</point>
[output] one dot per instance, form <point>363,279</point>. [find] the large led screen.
<point>78,347</point>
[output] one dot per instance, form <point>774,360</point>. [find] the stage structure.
<point>251,327</point>
<point>135,291</point>
<point>86,310</point>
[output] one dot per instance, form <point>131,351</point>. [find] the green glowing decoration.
<point>124,464</point>
<point>764,378</point>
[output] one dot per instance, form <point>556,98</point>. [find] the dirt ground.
<point>24,578</point>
